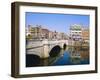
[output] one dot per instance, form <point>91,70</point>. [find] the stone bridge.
<point>42,48</point>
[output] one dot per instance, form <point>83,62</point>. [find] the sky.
<point>58,22</point>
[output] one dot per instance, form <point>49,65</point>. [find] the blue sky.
<point>58,22</point>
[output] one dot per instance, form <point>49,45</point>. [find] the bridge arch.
<point>64,46</point>
<point>55,51</point>
<point>32,60</point>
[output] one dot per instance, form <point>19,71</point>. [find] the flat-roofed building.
<point>76,32</point>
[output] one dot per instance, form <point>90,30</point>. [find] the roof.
<point>75,27</point>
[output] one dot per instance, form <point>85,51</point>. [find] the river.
<point>69,56</point>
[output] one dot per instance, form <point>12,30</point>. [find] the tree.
<point>28,37</point>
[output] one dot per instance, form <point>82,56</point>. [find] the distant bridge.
<point>42,48</point>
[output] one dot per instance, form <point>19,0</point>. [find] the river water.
<point>69,56</point>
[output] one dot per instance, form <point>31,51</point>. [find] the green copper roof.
<point>75,27</point>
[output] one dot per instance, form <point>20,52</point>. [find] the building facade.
<point>85,34</point>
<point>38,32</point>
<point>78,35</point>
<point>76,32</point>
<point>34,32</point>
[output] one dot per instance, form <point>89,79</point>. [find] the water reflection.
<point>79,55</point>
<point>68,56</point>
